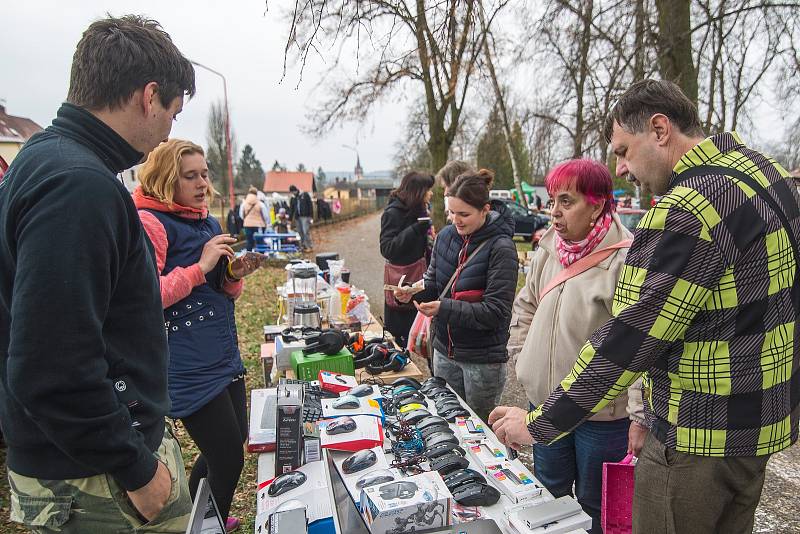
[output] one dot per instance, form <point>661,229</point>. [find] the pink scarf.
<point>571,251</point>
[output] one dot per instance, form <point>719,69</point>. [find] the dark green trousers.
<point>678,493</point>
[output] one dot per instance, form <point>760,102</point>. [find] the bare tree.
<point>431,47</point>
<point>216,154</point>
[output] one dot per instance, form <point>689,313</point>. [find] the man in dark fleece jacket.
<point>83,390</point>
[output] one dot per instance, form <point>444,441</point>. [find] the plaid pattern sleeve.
<point>704,309</point>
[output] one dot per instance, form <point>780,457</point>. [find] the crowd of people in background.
<point>678,344</point>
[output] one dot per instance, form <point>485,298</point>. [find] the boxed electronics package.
<point>312,492</point>
<point>263,425</point>
<point>351,433</point>
<point>415,503</point>
<point>289,423</point>
<point>336,382</point>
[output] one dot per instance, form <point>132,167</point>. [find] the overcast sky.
<point>237,38</point>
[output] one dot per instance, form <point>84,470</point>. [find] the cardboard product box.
<point>470,428</point>
<point>288,454</point>
<point>514,480</point>
<point>313,493</point>
<point>366,406</point>
<point>351,480</point>
<point>485,453</point>
<point>284,350</point>
<point>308,366</point>
<point>548,516</point>
<point>367,434</point>
<point>414,503</point>
<point>336,382</point>
<point>263,420</point>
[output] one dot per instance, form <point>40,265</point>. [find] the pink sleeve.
<point>181,280</point>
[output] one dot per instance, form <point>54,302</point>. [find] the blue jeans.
<point>249,232</point>
<point>578,459</point>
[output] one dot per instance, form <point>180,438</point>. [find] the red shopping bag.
<point>616,509</point>
<point>419,337</point>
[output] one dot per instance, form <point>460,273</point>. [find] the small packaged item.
<point>514,480</point>
<point>421,502</point>
<point>553,516</point>
<point>351,405</point>
<point>351,433</point>
<point>485,453</point>
<point>336,382</point>
<point>470,428</point>
<point>263,422</point>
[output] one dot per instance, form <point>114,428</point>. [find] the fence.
<point>351,208</point>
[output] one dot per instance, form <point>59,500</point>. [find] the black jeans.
<point>219,429</point>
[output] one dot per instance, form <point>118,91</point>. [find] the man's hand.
<point>636,435</point>
<point>508,424</point>
<point>430,309</point>
<point>151,498</point>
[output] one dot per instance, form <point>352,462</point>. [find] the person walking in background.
<point>198,286</point>
<point>585,225</point>
<point>301,209</point>
<point>82,341</point>
<point>448,174</point>
<point>254,215</point>
<point>706,306</point>
<point>475,261</point>
<point>404,240</point>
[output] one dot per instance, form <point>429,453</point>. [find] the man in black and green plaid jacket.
<point>706,307</point>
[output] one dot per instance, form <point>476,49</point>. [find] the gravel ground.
<point>357,242</point>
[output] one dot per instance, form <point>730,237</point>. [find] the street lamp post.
<point>231,197</point>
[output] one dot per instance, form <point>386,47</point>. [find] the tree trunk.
<point>440,150</point>
<point>674,45</point>
<point>639,54</point>
<point>501,103</point>
<point>583,72</point>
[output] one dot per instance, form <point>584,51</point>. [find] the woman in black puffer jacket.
<point>405,246</point>
<point>470,323</point>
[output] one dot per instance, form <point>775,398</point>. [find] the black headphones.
<point>393,360</point>
<point>371,352</point>
<point>329,342</point>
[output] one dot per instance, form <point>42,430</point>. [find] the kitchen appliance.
<point>306,313</point>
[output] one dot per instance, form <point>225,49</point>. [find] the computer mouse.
<point>451,414</point>
<point>449,463</point>
<point>291,504</point>
<point>378,477</point>
<point>434,381</point>
<point>461,477</point>
<point>430,421</point>
<point>402,489</point>
<point>416,415</point>
<point>346,402</point>
<point>359,461</point>
<point>405,395</point>
<point>444,405</point>
<point>285,482</point>
<point>442,449</point>
<point>440,437</point>
<point>439,393</point>
<point>433,429</point>
<point>340,425</point>
<point>402,390</point>
<point>407,381</point>
<point>476,494</point>
<point>411,406</point>
<point>361,390</point>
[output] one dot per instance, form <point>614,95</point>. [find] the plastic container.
<point>616,509</point>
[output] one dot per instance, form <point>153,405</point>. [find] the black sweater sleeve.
<point>63,289</point>
<point>400,243</point>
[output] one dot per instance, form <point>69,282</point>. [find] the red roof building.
<point>279,181</point>
<point>14,131</point>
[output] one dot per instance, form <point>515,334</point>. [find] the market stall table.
<point>266,472</point>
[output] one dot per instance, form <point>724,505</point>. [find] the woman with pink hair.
<point>551,322</point>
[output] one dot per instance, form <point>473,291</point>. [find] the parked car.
<point>527,223</point>
<point>502,194</point>
<point>630,217</point>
